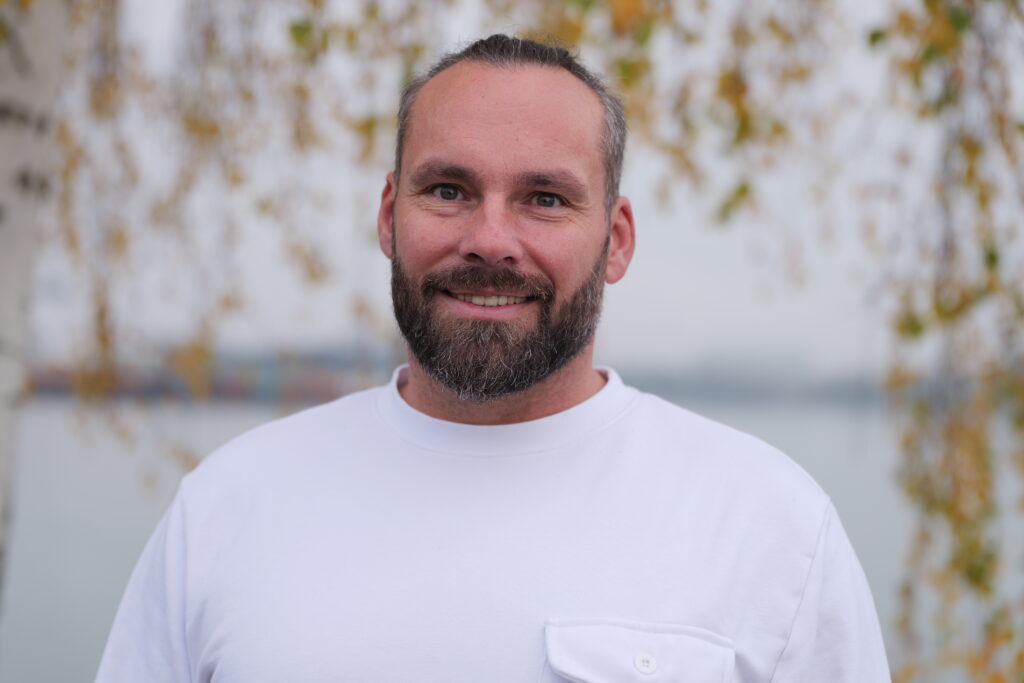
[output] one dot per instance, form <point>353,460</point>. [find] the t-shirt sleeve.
<point>835,635</point>
<point>147,640</point>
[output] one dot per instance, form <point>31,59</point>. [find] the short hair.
<point>504,51</point>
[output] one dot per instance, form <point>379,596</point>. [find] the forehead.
<point>518,117</point>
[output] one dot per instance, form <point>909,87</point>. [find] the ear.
<point>386,215</point>
<point>621,241</point>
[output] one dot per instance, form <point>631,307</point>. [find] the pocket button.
<point>645,663</point>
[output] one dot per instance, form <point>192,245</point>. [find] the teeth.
<point>490,300</point>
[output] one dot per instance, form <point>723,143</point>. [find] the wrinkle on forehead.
<point>540,105</point>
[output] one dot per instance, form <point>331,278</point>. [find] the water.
<point>90,489</point>
<point>88,493</point>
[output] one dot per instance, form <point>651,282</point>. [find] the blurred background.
<point>828,198</point>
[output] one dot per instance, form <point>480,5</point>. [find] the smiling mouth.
<point>490,300</point>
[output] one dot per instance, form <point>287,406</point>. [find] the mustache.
<point>480,277</point>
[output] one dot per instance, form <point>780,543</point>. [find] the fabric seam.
<point>654,628</point>
<point>401,434</point>
<point>807,580</point>
<point>184,587</point>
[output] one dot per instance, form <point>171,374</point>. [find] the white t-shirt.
<point>624,539</point>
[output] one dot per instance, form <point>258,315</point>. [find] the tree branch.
<point>8,34</point>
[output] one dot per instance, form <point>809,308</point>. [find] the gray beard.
<point>480,360</point>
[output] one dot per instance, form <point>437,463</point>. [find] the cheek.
<point>568,265</point>
<point>424,247</point>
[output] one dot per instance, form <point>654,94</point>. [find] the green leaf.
<point>740,195</point>
<point>931,53</point>
<point>959,17</point>
<point>643,32</point>
<point>949,95</point>
<point>909,325</point>
<point>991,257</point>
<point>630,71</point>
<point>876,36</point>
<point>301,32</point>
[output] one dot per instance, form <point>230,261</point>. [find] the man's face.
<point>497,229</point>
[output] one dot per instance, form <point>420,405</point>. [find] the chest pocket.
<point>610,651</point>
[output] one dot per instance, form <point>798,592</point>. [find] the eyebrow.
<point>563,181</point>
<point>432,171</point>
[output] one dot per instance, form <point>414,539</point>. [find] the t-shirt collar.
<point>547,433</point>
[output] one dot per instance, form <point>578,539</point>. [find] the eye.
<point>448,193</point>
<point>548,200</point>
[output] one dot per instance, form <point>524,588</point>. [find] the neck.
<point>570,386</point>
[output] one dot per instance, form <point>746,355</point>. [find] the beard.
<point>480,360</point>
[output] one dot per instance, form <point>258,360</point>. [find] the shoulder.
<point>744,475</point>
<point>274,448</point>
<point>719,446</point>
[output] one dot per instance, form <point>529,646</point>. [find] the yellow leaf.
<point>184,457</point>
<point>193,362</point>
<point>200,125</point>
<point>104,96</point>
<point>626,14</point>
<point>117,239</point>
<point>230,302</point>
<point>309,260</point>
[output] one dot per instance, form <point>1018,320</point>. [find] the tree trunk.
<point>31,72</point>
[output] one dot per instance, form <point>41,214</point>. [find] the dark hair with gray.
<point>503,51</point>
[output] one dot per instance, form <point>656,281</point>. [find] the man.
<point>502,511</point>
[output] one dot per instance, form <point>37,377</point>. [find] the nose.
<point>491,235</point>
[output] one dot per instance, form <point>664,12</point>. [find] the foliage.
<point>729,94</point>
<point>960,321</point>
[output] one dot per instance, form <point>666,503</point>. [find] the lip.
<point>498,313</point>
<point>487,292</point>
